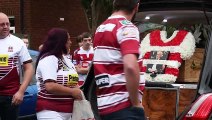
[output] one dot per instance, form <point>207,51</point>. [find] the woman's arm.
<point>58,89</point>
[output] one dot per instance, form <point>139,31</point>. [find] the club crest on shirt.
<point>65,68</point>
<point>10,49</point>
<point>125,22</point>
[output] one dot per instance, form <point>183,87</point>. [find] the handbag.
<point>82,110</point>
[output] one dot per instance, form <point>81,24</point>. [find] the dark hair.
<point>55,44</point>
<point>79,38</point>
<point>25,36</point>
<point>126,5</point>
<point>86,35</point>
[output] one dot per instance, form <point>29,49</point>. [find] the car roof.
<point>153,5</point>
<point>33,52</point>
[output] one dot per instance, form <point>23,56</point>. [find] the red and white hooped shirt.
<point>83,58</point>
<point>181,46</point>
<point>114,38</point>
<point>62,72</point>
<point>13,53</point>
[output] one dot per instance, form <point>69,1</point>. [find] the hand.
<point>77,86</point>
<point>78,68</point>
<point>17,98</point>
<point>76,93</point>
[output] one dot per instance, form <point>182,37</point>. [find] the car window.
<point>34,58</point>
<point>170,20</point>
<point>34,55</point>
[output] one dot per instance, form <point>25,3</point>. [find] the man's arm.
<point>28,72</point>
<point>79,68</point>
<point>131,70</point>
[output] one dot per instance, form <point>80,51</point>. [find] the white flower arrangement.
<point>186,49</point>
<point>161,78</point>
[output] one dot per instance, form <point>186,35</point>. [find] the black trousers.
<point>7,110</point>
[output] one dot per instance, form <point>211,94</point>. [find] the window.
<point>12,24</point>
<point>171,20</point>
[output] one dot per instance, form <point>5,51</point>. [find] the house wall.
<point>11,8</point>
<point>39,16</point>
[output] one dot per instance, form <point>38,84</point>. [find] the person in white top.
<point>57,79</point>
<point>13,54</point>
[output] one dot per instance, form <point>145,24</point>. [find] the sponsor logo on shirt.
<point>73,79</point>
<point>102,80</point>
<point>4,59</point>
<point>129,32</point>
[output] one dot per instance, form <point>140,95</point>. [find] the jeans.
<point>7,110</point>
<point>130,113</point>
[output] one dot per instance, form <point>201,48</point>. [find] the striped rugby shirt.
<point>13,53</point>
<point>83,58</point>
<point>62,72</point>
<point>114,38</point>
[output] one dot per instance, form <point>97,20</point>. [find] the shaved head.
<point>2,14</point>
<point>4,25</point>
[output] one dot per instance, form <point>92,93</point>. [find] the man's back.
<point>116,68</point>
<point>111,41</point>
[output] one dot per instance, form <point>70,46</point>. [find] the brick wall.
<point>11,8</point>
<point>46,15</point>
<point>42,15</point>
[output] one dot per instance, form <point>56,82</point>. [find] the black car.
<point>196,17</point>
<point>171,15</point>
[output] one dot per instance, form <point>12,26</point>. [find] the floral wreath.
<point>181,46</point>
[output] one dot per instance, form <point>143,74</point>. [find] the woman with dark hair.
<point>57,79</point>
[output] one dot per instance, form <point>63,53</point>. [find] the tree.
<point>96,12</point>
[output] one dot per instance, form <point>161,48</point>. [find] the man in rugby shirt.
<point>83,56</point>
<point>117,75</point>
<point>13,52</point>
